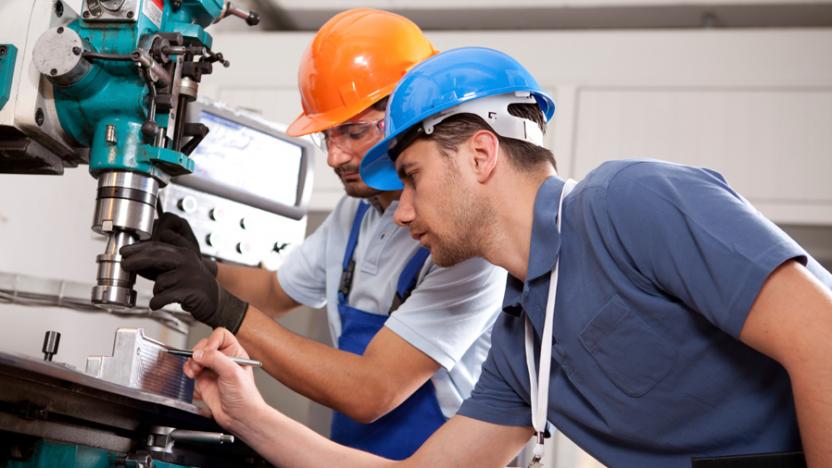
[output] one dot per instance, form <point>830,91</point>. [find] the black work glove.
<point>172,229</point>
<point>182,277</point>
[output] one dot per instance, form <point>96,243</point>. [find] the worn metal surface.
<point>144,364</point>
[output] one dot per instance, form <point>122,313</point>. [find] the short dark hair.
<point>524,156</point>
<point>381,105</point>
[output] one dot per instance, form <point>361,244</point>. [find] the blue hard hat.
<point>439,83</point>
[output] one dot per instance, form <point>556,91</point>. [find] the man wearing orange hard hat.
<point>410,336</point>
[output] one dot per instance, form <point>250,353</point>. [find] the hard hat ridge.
<point>473,80</point>
<point>355,60</point>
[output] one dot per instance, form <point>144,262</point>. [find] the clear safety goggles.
<point>351,137</point>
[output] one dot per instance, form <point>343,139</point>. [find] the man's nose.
<point>404,211</point>
<point>336,157</point>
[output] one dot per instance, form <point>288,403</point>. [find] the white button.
<point>187,204</point>
<point>212,239</point>
<point>216,214</point>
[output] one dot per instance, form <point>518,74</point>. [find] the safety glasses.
<point>351,136</point>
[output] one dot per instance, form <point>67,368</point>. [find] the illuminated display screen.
<point>248,159</point>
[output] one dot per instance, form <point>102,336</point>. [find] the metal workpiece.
<point>144,364</point>
<point>58,56</point>
<point>162,438</point>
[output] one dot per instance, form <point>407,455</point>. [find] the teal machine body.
<point>122,76</point>
<point>108,86</point>
<point>118,74</point>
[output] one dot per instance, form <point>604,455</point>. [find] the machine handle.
<point>202,437</point>
<point>252,18</point>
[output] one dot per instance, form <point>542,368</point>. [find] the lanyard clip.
<point>537,454</point>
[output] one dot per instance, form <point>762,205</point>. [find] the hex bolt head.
<point>53,72</point>
<point>61,30</point>
<point>39,117</point>
<point>59,9</point>
<point>130,14</point>
<point>76,50</point>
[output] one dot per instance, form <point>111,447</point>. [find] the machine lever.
<point>202,437</point>
<point>198,132</point>
<point>251,17</point>
<point>162,438</point>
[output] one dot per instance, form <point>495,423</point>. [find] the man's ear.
<point>485,152</point>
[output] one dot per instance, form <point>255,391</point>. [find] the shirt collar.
<point>545,242</point>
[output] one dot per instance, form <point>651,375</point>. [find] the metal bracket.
<point>110,10</point>
<point>171,162</point>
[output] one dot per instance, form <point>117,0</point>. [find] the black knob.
<point>253,18</point>
<point>150,129</point>
<point>51,340</point>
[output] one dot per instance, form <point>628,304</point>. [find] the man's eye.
<point>356,133</point>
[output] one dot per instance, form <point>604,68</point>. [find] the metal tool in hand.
<point>240,361</point>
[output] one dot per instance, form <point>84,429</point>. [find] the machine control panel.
<point>217,224</point>
<point>247,198</point>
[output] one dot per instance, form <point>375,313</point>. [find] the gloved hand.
<point>172,229</point>
<point>182,277</point>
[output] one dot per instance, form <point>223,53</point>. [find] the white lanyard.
<point>539,386</point>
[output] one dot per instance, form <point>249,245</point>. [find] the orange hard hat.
<point>354,61</point>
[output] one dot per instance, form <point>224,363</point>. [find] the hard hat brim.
<point>306,124</point>
<point>378,170</point>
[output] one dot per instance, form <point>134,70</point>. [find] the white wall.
<point>754,104</point>
<point>45,231</point>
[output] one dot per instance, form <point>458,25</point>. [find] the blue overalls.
<point>402,431</point>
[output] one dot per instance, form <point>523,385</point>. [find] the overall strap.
<point>348,264</point>
<point>408,277</point>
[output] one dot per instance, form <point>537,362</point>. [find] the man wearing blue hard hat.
<point>652,314</point>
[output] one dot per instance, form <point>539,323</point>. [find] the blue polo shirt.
<point>659,266</point>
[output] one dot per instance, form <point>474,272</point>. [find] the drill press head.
<point>122,75</point>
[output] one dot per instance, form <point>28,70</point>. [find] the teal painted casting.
<point>52,454</point>
<point>112,93</point>
<point>8,54</point>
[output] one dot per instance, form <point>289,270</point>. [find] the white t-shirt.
<point>448,316</point>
